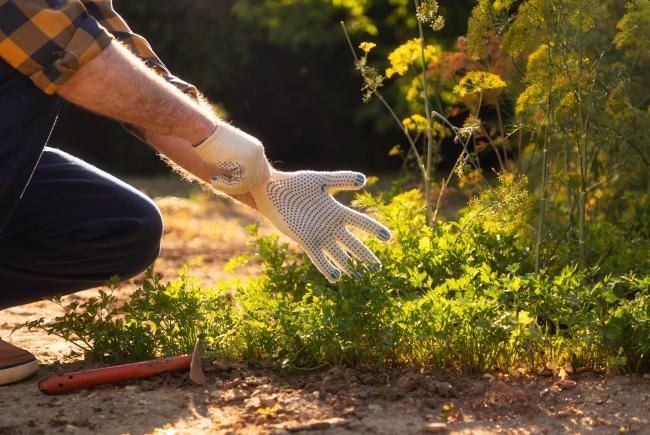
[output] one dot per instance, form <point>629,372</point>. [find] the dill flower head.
<point>478,81</point>
<point>427,13</point>
<point>415,122</point>
<point>408,54</point>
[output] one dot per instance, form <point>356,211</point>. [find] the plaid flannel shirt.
<point>50,40</point>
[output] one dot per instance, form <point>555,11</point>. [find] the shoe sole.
<point>18,373</point>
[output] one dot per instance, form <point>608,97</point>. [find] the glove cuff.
<point>225,142</point>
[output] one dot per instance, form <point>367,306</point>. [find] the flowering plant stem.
<point>545,152</point>
<point>429,164</point>
<point>426,168</point>
<point>582,146</point>
<point>388,107</point>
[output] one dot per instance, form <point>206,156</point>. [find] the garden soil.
<point>241,398</point>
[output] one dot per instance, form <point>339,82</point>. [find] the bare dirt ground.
<point>239,398</point>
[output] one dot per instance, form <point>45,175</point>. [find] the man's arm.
<point>118,85</point>
<point>108,18</point>
<point>84,64</point>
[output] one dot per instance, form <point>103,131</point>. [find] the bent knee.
<point>152,223</point>
<point>133,242</point>
<point>149,236</point>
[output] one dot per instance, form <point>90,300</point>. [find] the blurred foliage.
<point>579,91</point>
<point>553,89</point>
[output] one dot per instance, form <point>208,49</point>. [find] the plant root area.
<point>241,398</point>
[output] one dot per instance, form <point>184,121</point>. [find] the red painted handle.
<point>72,381</point>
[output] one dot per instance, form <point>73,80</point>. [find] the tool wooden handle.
<point>72,381</point>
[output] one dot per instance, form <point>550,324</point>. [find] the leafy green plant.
<point>158,319</point>
<point>460,301</point>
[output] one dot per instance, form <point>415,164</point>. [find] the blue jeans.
<point>65,225</point>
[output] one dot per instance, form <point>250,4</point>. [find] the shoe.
<point>16,364</point>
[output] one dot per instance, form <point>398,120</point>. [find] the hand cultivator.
<point>72,381</point>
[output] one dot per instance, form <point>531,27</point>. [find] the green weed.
<point>466,304</point>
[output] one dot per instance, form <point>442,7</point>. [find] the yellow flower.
<point>448,407</point>
<point>419,123</point>
<point>478,81</point>
<point>524,318</point>
<point>367,46</point>
<point>538,58</point>
<point>372,180</point>
<point>470,178</point>
<point>502,5</point>
<point>415,89</point>
<point>415,122</point>
<point>532,96</point>
<point>395,150</point>
<point>408,54</point>
<point>269,411</point>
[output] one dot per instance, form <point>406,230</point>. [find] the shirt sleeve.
<point>49,40</point>
<point>104,13</point>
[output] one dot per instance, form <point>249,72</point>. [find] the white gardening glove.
<point>231,149</point>
<point>300,204</point>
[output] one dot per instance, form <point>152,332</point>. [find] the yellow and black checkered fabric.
<point>50,40</point>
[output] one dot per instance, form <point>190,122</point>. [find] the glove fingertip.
<point>332,278</point>
<point>360,180</point>
<point>384,235</point>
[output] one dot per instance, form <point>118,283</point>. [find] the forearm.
<point>118,85</point>
<point>181,153</point>
<point>187,162</point>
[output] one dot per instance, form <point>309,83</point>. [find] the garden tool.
<point>73,381</point>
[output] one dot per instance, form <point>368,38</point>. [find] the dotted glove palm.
<point>238,152</point>
<point>300,204</point>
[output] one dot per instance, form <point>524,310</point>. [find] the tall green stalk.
<point>582,145</point>
<point>647,186</point>
<point>428,176</point>
<point>569,190</point>
<point>545,152</point>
